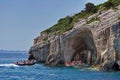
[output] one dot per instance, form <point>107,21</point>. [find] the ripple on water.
<point>10,71</point>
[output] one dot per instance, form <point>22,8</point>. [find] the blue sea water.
<point>9,71</point>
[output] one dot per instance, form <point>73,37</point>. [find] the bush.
<point>45,39</point>
<point>115,2</point>
<point>118,18</point>
<point>111,4</point>
<point>108,5</point>
<point>89,7</point>
<point>63,25</point>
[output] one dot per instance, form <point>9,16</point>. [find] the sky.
<point>22,20</point>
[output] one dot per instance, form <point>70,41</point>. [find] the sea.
<point>10,71</point>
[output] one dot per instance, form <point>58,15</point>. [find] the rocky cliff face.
<point>66,47</point>
<point>106,36</point>
<point>96,43</point>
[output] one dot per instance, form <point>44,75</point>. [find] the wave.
<point>8,65</point>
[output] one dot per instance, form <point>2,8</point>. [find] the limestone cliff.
<point>106,34</point>
<point>96,43</point>
<point>65,47</point>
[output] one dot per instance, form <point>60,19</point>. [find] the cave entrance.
<point>83,57</point>
<point>82,51</point>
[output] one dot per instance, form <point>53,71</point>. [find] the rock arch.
<point>80,45</point>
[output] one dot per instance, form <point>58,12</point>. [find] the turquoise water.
<point>9,71</point>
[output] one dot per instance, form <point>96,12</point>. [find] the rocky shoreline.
<point>96,44</point>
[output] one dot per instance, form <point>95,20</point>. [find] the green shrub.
<point>108,5</point>
<point>62,26</point>
<point>111,4</point>
<point>89,7</point>
<point>118,18</point>
<point>115,2</point>
<point>45,39</point>
<point>65,24</point>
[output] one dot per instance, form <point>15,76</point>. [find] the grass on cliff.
<point>67,23</point>
<point>118,18</point>
<point>64,24</point>
<point>109,4</point>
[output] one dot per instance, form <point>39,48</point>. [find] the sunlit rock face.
<point>106,34</point>
<point>107,41</point>
<point>75,44</point>
<point>72,45</point>
<point>40,52</point>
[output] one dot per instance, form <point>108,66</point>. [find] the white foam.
<point>8,65</point>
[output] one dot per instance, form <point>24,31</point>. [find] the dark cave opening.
<point>82,54</point>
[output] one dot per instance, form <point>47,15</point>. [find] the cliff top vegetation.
<point>65,24</point>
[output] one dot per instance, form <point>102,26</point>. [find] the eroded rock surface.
<point>67,47</point>
<point>95,44</point>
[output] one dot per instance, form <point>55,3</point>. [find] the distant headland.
<point>12,51</point>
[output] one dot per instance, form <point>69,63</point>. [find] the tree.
<point>89,7</point>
